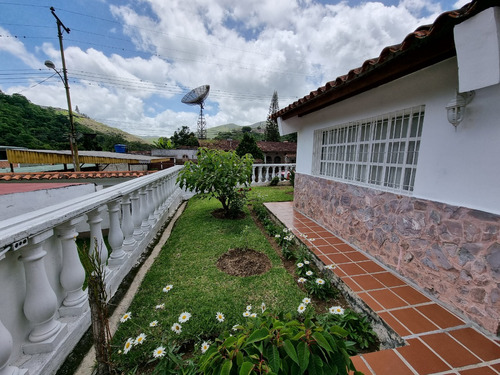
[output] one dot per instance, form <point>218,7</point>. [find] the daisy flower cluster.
<point>248,311</point>
<point>303,305</point>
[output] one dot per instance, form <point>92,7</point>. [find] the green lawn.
<point>188,263</point>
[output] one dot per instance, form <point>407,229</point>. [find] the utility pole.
<point>72,136</point>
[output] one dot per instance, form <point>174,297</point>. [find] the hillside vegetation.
<point>24,124</point>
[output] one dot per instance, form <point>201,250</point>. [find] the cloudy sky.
<point>131,62</point>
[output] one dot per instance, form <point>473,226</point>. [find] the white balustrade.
<point>127,224</point>
<point>72,274</point>
<point>47,282</point>
<point>40,303</point>
<point>143,193</point>
<point>136,215</point>
<point>97,244</point>
<point>6,345</point>
<point>262,174</point>
<point>115,236</point>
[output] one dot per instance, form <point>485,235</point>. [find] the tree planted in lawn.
<point>221,175</point>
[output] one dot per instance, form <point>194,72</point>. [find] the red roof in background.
<point>288,147</point>
<point>426,46</point>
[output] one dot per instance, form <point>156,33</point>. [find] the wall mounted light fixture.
<point>455,109</point>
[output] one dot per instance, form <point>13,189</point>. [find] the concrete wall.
<point>19,203</point>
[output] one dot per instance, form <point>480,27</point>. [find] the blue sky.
<point>131,62</point>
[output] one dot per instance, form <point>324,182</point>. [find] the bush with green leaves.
<point>221,175</point>
<point>359,328</point>
<point>278,344</point>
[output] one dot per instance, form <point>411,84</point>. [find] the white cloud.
<point>244,50</point>
<point>14,46</point>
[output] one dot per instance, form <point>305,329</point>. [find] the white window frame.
<point>379,152</point>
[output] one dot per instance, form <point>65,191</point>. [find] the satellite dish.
<point>197,96</point>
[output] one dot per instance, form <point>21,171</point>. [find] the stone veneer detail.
<point>451,252</point>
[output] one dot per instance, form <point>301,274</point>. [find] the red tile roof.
<point>288,147</point>
<point>4,177</point>
<point>427,45</point>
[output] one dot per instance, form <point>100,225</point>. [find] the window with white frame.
<point>381,151</point>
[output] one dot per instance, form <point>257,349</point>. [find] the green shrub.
<point>221,175</point>
<point>274,181</point>
<point>360,330</point>
<point>277,344</point>
<point>292,177</point>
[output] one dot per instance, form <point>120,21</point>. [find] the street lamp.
<point>72,135</point>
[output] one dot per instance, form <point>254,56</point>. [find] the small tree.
<point>221,175</point>
<point>249,146</point>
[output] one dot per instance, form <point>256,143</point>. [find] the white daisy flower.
<point>204,346</point>
<point>263,307</point>
<point>159,352</point>
<point>249,307</point>
<point>336,310</point>
<point>128,345</point>
<point>306,301</point>
<point>331,266</point>
<point>302,307</point>
<point>154,323</point>
<point>176,327</point>
<point>300,265</point>
<point>160,306</point>
<point>277,236</point>
<point>184,317</point>
<point>246,314</point>
<point>302,280</point>
<point>168,288</point>
<point>220,317</point>
<point>285,230</point>
<point>320,281</point>
<point>140,339</point>
<point>309,273</point>
<point>126,317</point>
<point>306,261</point>
<point>253,315</point>
<point>235,327</point>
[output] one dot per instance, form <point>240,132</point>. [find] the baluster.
<point>151,204</point>
<point>96,239</point>
<point>156,200</point>
<point>136,216</point>
<point>72,274</point>
<point>6,345</point>
<point>144,210</point>
<point>127,224</point>
<point>115,235</point>
<point>40,303</point>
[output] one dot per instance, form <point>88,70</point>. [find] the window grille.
<point>381,151</point>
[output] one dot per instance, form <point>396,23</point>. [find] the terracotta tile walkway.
<point>438,341</point>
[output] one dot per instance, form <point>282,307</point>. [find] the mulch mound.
<point>244,262</point>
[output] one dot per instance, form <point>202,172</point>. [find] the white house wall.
<point>458,167</point>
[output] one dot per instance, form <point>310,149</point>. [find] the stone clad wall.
<point>451,252</point>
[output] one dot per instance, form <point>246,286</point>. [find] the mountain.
<point>212,132</point>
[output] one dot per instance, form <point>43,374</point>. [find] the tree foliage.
<point>248,145</point>
<point>23,124</point>
<point>221,175</point>
<point>184,137</point>
<point>163,143</point>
